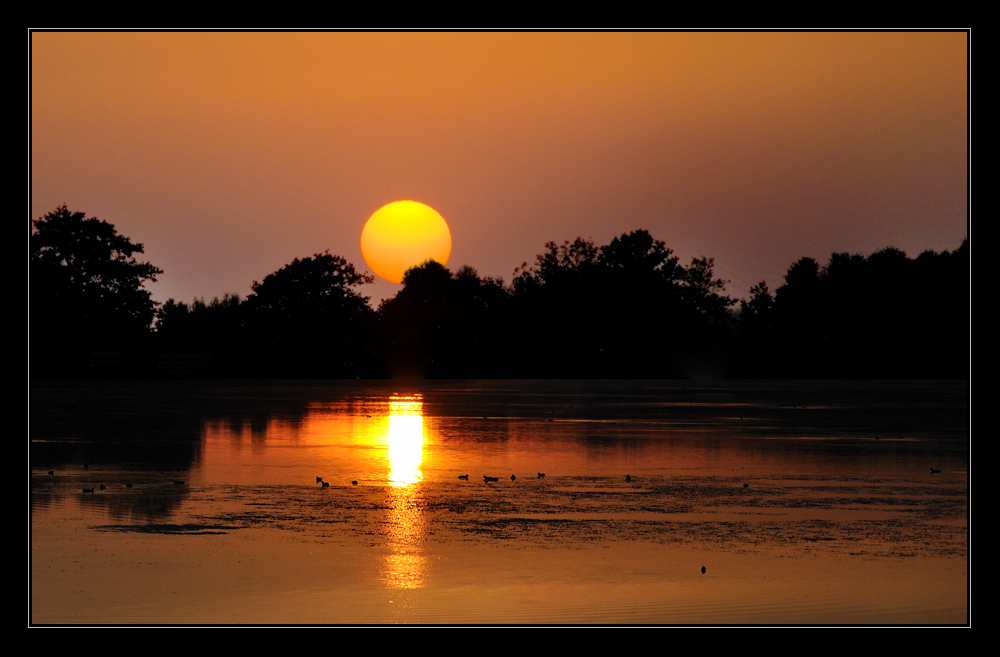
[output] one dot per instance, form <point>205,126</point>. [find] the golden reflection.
<point>405,571</point>
<point>378,442</point>
<point>405,566</point>
<point>406,440</point>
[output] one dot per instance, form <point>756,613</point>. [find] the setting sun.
<point>403,234</point>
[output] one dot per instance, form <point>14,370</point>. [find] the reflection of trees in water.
<point>145,502</point>
<point>111,432</point>
<point>153,496</point>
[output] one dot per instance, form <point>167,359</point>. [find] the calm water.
<point>806,502</point>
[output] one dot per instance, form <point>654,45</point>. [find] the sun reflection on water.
<point>406,440</point>
<point>374,444</point>
<point>405,566</point>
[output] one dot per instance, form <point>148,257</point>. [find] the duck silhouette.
<point>628,477</point>
<point>513,478</point>
<point>934,471</point>
<point>465,476</point>
<point>541,475</point>
<point>325,484</point>
<point>488,479</point>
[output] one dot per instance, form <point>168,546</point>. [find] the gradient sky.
<point>229,154</point>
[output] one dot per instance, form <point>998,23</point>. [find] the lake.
<point>662,502</point>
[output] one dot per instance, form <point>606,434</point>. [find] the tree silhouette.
<point>703,292</point>
<point>881,316</point>
<point>85,289</point>
<point>203,338</point>
<point>638,253</point>
<point>755,314</point>
<point>321,283</point>
<point>624,309</point>
<point>306,319</point>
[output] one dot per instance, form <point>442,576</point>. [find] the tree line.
<point>627,309</point>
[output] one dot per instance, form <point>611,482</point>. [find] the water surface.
<point>805,502</point>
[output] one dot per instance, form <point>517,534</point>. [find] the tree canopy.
<point>306,319</point>
<point>624,309</point>
<point>322,282</point>
<point>85,262</point>
<point>85,284</point>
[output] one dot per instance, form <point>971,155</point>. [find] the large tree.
<point>85,287</point>
<point>307,319</point>
<point>444,324</point>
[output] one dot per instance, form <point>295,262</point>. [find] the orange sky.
<point>228,154</point>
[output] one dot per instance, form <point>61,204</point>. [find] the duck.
<point>178,482</point>
<point>465,477</point>
<point>488,479</point>
<point>628,477</point>
<point>326,484</point>
<point>513,478</point>
<point>934,471</point>
<point>319,480</point>
<point>128,484</point>
<point>541,475</point>
<point>88,490</point>
<point>103,487</point>
<point>354,482</point>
